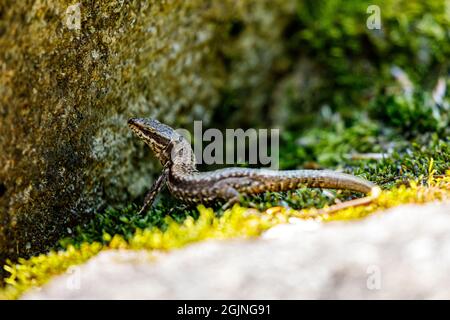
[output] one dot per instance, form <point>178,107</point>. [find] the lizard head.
<point>158,136</point>
<point>169,146</point>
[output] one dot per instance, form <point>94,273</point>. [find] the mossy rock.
<point>66,94</point>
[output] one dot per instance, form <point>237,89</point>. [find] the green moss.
<point>125,222</point>
<point>237,222</point>
<point>413,115</point>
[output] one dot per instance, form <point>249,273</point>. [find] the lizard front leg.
<point>155,189</point>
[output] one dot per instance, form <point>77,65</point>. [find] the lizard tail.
<point>331,180</point>
<point>327,179</point>
<point>337,180</point>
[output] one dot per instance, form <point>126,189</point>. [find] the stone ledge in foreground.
<point>402,253</point>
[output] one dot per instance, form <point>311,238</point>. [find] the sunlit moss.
<point>33,272</point>
<point>437,189</point>
<point>238,222</point>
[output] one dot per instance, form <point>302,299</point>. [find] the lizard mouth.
<point>137,125</point>
<point>133,122</point>
<point>151,131</point>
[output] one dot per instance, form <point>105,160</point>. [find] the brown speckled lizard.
<point>189,185</point>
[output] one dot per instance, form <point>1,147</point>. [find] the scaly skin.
<point>189,185</point>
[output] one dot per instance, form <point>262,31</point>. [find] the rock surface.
<point>403,253</point>
<point>68,86</point>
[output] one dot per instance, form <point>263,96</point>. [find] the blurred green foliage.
<point>414,36</point>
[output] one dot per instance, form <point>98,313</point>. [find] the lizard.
<point>191,186</point>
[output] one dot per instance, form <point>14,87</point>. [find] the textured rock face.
<point>67,88</point>
<point>401,254</point>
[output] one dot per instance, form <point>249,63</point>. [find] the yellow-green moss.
<point>437,189</point>
<point>237,222</point>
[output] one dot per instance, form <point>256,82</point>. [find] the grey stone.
<point>403,253</point>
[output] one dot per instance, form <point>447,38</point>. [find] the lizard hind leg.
<point>231,195</point>
<point>228,190</point>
